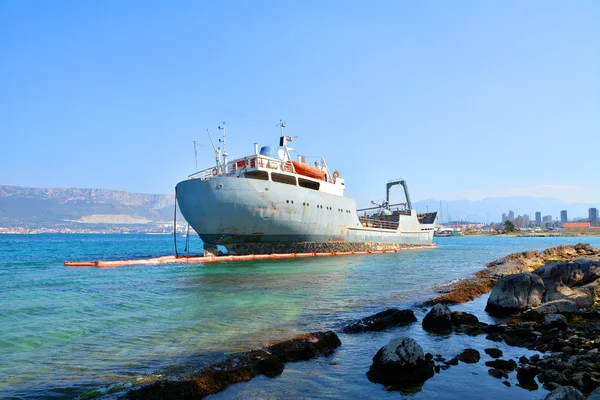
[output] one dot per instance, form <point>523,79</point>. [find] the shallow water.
<point>64,331</point>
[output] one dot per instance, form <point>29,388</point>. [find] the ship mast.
<point>284,139</point>
<point>222,128</point>
<point>217,150</point>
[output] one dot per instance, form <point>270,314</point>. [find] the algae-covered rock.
<point>305,346</point>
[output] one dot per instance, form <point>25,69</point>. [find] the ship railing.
<point>389,207</point>
<point>240,165</point>
<point>375,222</point>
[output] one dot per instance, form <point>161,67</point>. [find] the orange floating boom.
<point>200,260</point>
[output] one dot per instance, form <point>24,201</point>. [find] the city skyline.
<point>525,220</point>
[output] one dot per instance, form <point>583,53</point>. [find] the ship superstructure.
<point>268,203</point>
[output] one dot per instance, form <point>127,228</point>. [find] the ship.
<point>445,232</point>
<point>268,203</point>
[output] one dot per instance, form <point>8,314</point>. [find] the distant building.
<point>519,223</point>
<point>563,216</point>
<point>547,218</point>
<point>504,218</point>
<point>593,214</point>
<point>580,226</point>
<point>538,218</point>
<point>525,220</point>
<point>511,215</point>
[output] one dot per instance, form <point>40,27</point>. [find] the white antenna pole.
<point>215,150</point>
<point>196,156</point>
<point>281,126</point>
<point>283,140</point>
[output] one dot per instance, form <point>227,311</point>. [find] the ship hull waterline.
<point>251,216</point>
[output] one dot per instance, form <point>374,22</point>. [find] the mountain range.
<point>68,207</point>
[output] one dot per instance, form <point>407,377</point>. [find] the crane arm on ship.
<point>402,182</point>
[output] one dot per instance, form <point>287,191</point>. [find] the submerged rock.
<point>438,319</point>
<point>526,377</point>
<point>469,356</point>
<point>401,364</point>
<point>514,293</point>
<point>381,321</point>
<point>305,347</point>
<point>493,352</point>
<point>240,368</point>
<point>463,318</point>
<point>497,373</point>
<point>212,379</point>
<point>504,365</point>
<point>565,393</point>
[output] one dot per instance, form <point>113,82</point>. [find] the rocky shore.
<point>551,299</point>
<point>525,262</point>
<point>547,305</point>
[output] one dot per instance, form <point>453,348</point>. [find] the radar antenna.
<point>284,139</point>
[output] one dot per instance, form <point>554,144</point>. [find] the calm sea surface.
<point>66,331</point>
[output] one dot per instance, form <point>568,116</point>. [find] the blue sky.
<point>465,99</point>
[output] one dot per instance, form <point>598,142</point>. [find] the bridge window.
<point>305,183</point>
<point>281,178</point>
<point>260,175</point>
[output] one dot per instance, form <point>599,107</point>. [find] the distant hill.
<point>49,208</point>
<point>490,209</point>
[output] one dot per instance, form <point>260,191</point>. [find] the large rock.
<point>305,346</point>
<point>401,364</point>
<point>565,393</point>
<point>438,319</point>
<point>575,281</point>
<point>515,293</point>
<point>556,307</point>
<point>381,321</point>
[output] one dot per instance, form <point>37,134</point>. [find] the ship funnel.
<point>256,148</point>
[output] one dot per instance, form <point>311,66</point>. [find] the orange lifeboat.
<point>307,170</point>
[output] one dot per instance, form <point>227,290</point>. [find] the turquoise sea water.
<point>65,331</point>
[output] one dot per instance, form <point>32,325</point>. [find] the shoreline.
<point>511,263</point>
<point>467,289</point>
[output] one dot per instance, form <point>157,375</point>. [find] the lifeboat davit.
<point>307,170</point>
